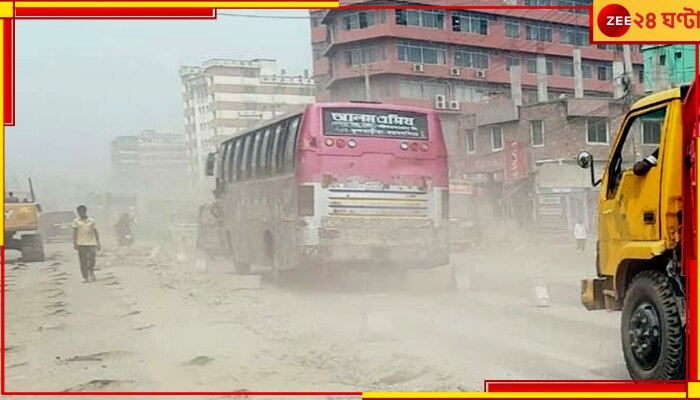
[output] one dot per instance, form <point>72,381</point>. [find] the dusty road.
<point>155,324</point>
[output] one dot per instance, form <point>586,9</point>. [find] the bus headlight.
<point>352,144</point>
<point>404,146</point>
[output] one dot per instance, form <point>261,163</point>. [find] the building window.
<point>597,131</point>
<point>575,3</point>
<point>540,31</point>
<point>566,68</point>
<point>358,20</point>
<point>574,35</point>
<point>532,66</point>
<point>415,89</point>
<point>613,47</point>
<point>537,133</point>
<point>471,59</point>
<point>512,62</point>
<point>470,22</point>
<point>363,55</point>
<point>471,94</point>
<point>496,138</point>
<point>651,131</point>
<point>538,2</point>
<point>512,28</point>
<point>425,18</point>
<point>604,73</point>
<point>422,52</point>
<point>641,74</point>
<point>587,70</point>
<point>471,142</point>
<point>662,59</point>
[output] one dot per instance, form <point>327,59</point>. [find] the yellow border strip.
<point>524,395</point>
<point>179,4</point>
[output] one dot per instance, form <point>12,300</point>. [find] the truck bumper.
<point>592,295</point>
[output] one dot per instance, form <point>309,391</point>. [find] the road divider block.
<point>541,295</point>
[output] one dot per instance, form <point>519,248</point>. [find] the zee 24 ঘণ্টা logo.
<point>614,20</point>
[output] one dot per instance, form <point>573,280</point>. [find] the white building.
<point>224,97</point>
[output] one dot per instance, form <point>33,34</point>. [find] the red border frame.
<point>573,386</point>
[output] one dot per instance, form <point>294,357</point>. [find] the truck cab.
<point>639,260</point>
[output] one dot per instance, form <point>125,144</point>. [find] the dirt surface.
<point>153,322</point>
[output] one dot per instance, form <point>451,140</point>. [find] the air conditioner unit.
<point>417,67</point>
<point>480,73</point>
<point>454,71</point>
<point>440,102</point>
<point>454,105</point>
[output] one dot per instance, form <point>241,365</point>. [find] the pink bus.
<point>346,184</point>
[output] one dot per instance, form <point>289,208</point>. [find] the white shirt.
<point>580,231</point>
<point>85,232</point>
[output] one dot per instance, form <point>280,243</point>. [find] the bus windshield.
<point>375,123</point>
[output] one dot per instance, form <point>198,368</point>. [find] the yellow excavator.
<point>22,225</point>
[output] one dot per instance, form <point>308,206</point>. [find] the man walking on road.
<point>86,241</point>
<point>580,233</point>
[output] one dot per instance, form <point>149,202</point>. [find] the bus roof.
<point>373,106</point>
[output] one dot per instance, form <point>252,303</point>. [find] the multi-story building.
<point>668,65</point>
<point>224,97</point>
<point>149,162</point>
<point>459,62</point>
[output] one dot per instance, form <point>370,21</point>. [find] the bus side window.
<point>274,145</point>
<point>254,155</point>
<point>291,145</point>
<point>234,164</point>
<point>245,167</point>
<point>280,148</point>
<point>264,152</point>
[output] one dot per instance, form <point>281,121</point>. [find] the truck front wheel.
<point>653,337</point>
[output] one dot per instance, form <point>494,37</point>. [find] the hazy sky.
<point>80,83</point>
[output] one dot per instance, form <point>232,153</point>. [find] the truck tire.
<point>653,337</point>
<point>32,248</point>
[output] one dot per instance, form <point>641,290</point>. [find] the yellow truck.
<point>22,225</point>
<point>646,245</point>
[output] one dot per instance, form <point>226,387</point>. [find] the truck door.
<point>629,210</point>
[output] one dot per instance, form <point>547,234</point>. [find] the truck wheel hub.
<point>644,331</point>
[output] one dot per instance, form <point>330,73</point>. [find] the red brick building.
<point>525,157</point>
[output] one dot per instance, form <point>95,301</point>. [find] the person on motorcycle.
<point>123,228</point>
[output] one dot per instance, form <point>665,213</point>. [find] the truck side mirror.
<point>209,169</point>
<point>38,207</point>
<point>585,161</point>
